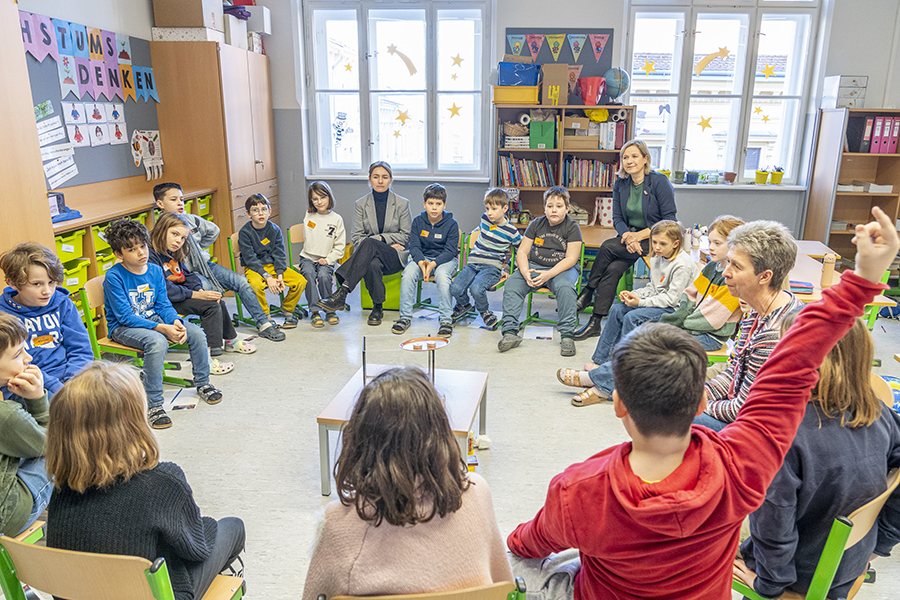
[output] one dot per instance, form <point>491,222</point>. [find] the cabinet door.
<point>261,115</point>
<point>238,120</point>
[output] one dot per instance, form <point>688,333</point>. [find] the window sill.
<point>740,187</point>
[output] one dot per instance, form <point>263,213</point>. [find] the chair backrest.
<point>94,290</point>
<point>882,390</point>
<point>504,590</point>
<point>77,575</point>
<point>473,237</point>
<point>295,233</point>
<point>864,517</point>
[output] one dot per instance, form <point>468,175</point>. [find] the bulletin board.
<point>97,163</point>
<point>567,42</point>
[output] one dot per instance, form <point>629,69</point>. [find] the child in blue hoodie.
<point>433,248</point>
<point>57,339</point>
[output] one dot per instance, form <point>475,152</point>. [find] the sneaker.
<point>508,342</point>
<point>316,321</point>
<point>490,320</point>
<point>401,325</point>
<point>567,346</point>
<point>270,332</point>
<point>460,311</point>
<point>376,316</point>
<point>158,418</point>
<point>332,318</point>
<point>445,330</point>
<point>209,393</point>
<point>290,321</point>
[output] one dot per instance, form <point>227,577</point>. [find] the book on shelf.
<point>520,172</point>
<point>846,187</point>
<point>837,225</point>
<point>872,188</point>
<point>586,173</point>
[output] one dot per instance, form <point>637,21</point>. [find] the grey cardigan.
<point>397,221</point>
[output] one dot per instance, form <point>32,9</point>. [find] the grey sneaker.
<point>508,342</point>
<point>567,346</point>
<point>270,332</point>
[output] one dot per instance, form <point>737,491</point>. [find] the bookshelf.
<point>585,172</point>
<point>834,165</point>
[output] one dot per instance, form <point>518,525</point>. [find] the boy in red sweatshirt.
<point>660,517</point>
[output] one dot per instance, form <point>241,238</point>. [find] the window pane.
<point>773,130</point>
<point>720,50</point>
<point>397,42</point>
<point>712,134</point>
<point>458,116</point>
<point>459,49</point>
<point>339,131</point>
<point>658,43</point>
<point>781,64</point>
<point>399,128</point>
<point>336,48</point>
<point>655,124</point>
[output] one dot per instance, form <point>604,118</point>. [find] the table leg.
<point>463,446</point>
<point>324,460</point>
<point>482,413</point>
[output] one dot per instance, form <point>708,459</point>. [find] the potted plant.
<point>762,176</point>
<point>692,177</point>
<point>729,176</point>
<point>777,174</point>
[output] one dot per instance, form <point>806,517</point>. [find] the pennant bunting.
<point>574,74</point>
<point>68,78</point>
<point>44,38</point>
<point>123,49</point>
<point>516,43</point>
<point>83,72</point>
<point>535,41</point>
<point>111,65</point>
<point>27,26</point>
<point>576,41</point>
<point>139,87</point>
<point>80,40</point>
<point>95,44</point>
<point>127,82</point>
<point>144,84</point>
<point>63,37</point>
<point>98,78</point>
<point>556,42</point>
<point>598,43</point>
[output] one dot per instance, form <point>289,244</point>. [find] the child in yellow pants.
<point>265,261</point>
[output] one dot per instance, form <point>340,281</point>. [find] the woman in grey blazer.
<point>380,235</point>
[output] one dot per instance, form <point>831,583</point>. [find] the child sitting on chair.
<point>433,249</point>
<point>496,235</point>
<point>547,257</point>
<point>265,261</point>
<point>324,240</point>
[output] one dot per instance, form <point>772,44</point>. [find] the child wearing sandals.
<point>187,295</point>
<point>323,245</point>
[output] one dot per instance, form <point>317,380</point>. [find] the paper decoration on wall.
<point>63,37</point>
<point>453,76</point>
<point>44,37</point>
<point>98,134</point>
<point>83,71</point>
<point>95,44</point>
<point>50,131</point>
<point>556,41</point>
<point>392,49</point>
<point>73,112</point>
<point>42,110</point>
<point>79,40</point>
<point>402,116</point>
<point>574,74</point>
<point>757,110</point>
<point>454,110</point>
<point>576,42</point>
<point>516,43</point>
<point>68,83</point>
<point>457,61</point>
<point>649,67</point>
<point>96,113</point>
<point>77,135</point>
<point>704,62</point>
<point>115,113</point>
<point>123,47</point>
<point>27,26</point>
<point>397,133</point>
<point>598,43</point>
<point>665,108</point>
<point>111,65</point>
<point>535,41</point>
<point>144,85</point>
<point>127,76</point>
<point>145,146</point>
<point>60,172</point>
<point>704,123</point>
<point>118,133</point>
<point>769,70</point>
<point>348,67</point>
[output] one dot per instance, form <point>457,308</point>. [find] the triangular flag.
<point>516,43</point>
<point>85,81</point>
<point>574,74</point>
<point>26,24</point>
<point>556,41</point>
<point>123,49</point>
<point>576,41</point>
<point>98,78</point>
<point>535,41</point>
<point>111,65</point>
<point>95,44</point>
<point>80,40</point>
<point>44,38</point>
<point>68,78</point>
<point>139,87</point>
<point>63,37</point>
<point>598,43</point>
<point>150,83</point>
<point>127,81</point>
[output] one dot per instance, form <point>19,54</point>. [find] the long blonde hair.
<point>98,433</point>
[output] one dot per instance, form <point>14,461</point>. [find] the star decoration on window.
<point>454,110</point>
<point>392,48</point>
<point>348,67</point>
<point>765,118</point>
<point>704,123</point>
<point>457,61</point>
<point>453,76</point>
<point>397,133</point>
<point>402,116</point>
<point>757,110</point>
<point>769,70</point>
<point>648,67</point>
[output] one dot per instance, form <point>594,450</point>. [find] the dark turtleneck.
<point>380,207</point>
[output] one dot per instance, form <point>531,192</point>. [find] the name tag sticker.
<point>438,236</point>
<point>264,241</point>
<point>492,227</point>
<point>539,241</point>
<point>143,288</point>
<point>43,339</point>
<point>311,224</point>
<point>424,233</point>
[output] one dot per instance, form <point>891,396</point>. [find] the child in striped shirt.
<point>489,255</point>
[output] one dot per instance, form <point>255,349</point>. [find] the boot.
<point>337,301</point>
<point>376,315</point>
<point>592,329</point>
<point>585,297</point>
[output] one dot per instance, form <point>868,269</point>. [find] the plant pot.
<point>692,178</point>
<point>678,177</point>
<point>762,176</point>
<point>730,177</point>
<point>668,174</point>
<point>776,176</point>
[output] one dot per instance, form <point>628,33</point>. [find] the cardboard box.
<point>606,209</point>
<point>189,13</point>
<point>235,32</point>
<point>517,59</point>
<point>581,142</point>
<point>555,75</point>
<point>542,135</point>
<point>186,34</point>
<point>260,20</point>
<point>518,74</point>
<point>576,122</point>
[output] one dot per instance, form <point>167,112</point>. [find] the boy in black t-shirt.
<point>547,257</point>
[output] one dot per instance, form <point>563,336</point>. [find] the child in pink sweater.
<point>408,518</point>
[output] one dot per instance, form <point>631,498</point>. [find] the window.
<point>721,88</point>
<point>401,82</point>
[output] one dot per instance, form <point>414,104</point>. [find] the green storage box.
<point>70,245</point>
<point>105,260</point>
<point>99,233</point>
<point>203,205</point>
<point>76,299</point>
<point>75,273</point>
<point>187,206</point>
<point>542,135</point>
<point>141,218</point>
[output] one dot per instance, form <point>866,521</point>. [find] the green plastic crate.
<point>99,233</point>
<point>75,273</point>
<point>105,260</point>
<point>203,203</point>
<point>70,246</point>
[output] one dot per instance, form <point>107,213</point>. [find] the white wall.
<point>131,17</point>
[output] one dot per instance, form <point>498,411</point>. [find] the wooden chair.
<point>505,590</point>
<point>88,576</point>
<point>882,390</point>
<point>295,236</point>
<point>845,532</point>
<point>427,302</point>
<point>33,533</point>
<point>92,299</point>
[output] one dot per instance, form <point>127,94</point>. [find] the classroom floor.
<point>256,455</point>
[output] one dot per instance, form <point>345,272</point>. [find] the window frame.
<point>431,8</point>
<point>755,9</point>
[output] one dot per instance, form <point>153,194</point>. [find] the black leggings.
<point>214,319</point>
<point>371,260</point>
<point>611,263</point>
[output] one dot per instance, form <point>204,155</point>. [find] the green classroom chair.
<point>90,576</point>
<point>427,302</point>
<point>871,313</point>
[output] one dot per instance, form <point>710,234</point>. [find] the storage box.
<point>254,42</point>
<point>70,246</point>
<point>515,58</point>
<point>542,135</point>
<point>606,211</point>
<point>140,218</point>
<point>186,34</point>
<point>99,233</point>
<point>260,20</point>
<point>518,74</point>
<point>203,205</point>
<point>188,13</point>
<point>576,122</point>
<point>75,273</point>
<point>105,261</point>
<point>516,94</point>
<point>235,32</point>
<point>581,142</point>
<point>188,204</point>
<point>76,300</point>
<point>555,75</point>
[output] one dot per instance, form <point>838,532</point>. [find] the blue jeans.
<point>239,285</point>
<point>708,342</point>
<point>476,279</point>
<point>321,275</point>
<point>709,421</point>
<point>412,274</point>
<point>154,345</point>
<point>33,474</point>
<point>621,321</point>
<point>562,286</point>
